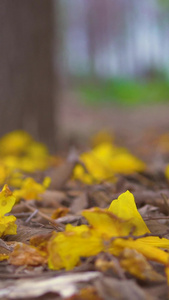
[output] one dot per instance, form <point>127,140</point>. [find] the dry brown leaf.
<point>100,198</point>
<point>52,198</point>
<point>24,233</point>
<point>27,255</point>
<point>61,174</point>
<point>79,203</point>
<point>40,241</point>
<point>157,227</point>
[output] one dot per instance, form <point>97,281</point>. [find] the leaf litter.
<point>92,226</point>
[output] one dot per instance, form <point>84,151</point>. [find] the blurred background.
<point>70,68</point>
<point>116,59</point>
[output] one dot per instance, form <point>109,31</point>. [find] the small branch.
<point>156,218</point>
<point>5,246</point>
<point>55,224</point>
<point>33,214</point>
<point>134,237</point>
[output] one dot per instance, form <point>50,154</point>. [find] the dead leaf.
<point>24,233</point>
<point>79,203</point>
<point>157,227</point>
<point>100,198</point>
<point>61,174</point>
<point>51,198</point>
<point>27,255</point>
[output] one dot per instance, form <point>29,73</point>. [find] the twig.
<point>134,237</point>
<point>5,246</point>
<point>22,214</point>
<point>156,218</point>
<point>55,224</point>
<point>33,214</point>
<point>118,268</point>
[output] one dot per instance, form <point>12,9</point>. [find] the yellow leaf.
<point>4,173</point>
<point>125,208</point>
<point>105,161</point>
<point>104,233</point>
<point>30,189</point>
<point>7,200</point>
<point>136,264</point>
<point>167,172</point>
<point>21,152</point>
<point>104,222</point>
<point>3,256</point>
<point>125,163</point>
<point>150,252</point>
<point>15,142</point>
<point>7,225</point>
<point>66,248</point>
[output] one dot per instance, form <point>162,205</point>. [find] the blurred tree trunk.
<point>27,68</point>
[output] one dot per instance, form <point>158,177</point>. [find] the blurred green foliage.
<point>164,4</point>
<point>125,91</point>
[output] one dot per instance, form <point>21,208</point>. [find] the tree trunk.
<point>27,72</point>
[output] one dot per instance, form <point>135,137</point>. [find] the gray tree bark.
<point>27,68</point>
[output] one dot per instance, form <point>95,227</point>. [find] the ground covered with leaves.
<point>92,224</point>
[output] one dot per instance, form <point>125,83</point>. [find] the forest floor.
<point>65,264</point>
<point>79,120</point>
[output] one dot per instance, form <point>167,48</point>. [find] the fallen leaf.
<point>31,190</point>
<point>61,174</point>
<point>27,255</point>
<point>136,264</point>
<point>109,231</point>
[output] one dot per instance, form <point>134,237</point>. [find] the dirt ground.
<point>79,120</point>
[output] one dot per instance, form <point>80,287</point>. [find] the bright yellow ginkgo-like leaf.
<point>124,207</point>
<point>110,231</point>
<point>7,201</point>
